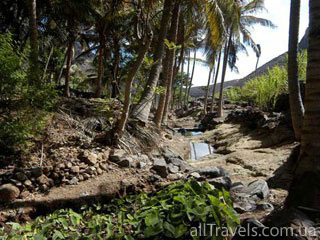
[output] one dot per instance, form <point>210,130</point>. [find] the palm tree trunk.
<point>187,83</point>
<point>47,63</point>
<point>305,189</point>
<point>215,83</point>
<point>224,70</point>
<point>168,69</point>
<point>58,80</point>
<point>34,44</point>
<point>98,90</point>
<point>115,85</point>
<point>69,63</point>
<point>192,75</point>
<point>135,68</point>
<point>142,110</point>
<point>181,84</point>
<point>207,91</point>
<point>175,85</point>
<point>296,105</point>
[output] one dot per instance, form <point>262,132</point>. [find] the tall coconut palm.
<point>258,54</point>
<point>167,72</point>
<point>215,83</point>
<point>207,91</point>
<point>305,189</point>
<point>34,45</point>
<point>142,109</point>
<point>296,105</point>
<point>238,21</point>
<point>134,69</point>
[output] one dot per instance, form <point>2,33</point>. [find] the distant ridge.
<point>278,61</point>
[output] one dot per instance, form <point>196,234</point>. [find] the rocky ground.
<point>72,162</point>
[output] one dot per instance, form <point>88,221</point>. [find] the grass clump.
<point>263,91</point>
<point>168,214</point>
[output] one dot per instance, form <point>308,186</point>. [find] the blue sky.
<point>273,41</point>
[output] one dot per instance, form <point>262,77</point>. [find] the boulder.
<point>75,169</point>
<point>117,155</point>
<point>221,182</point>
<point>36,172</point>
<point>259,188</point>
<point>172,168</point>
<point>21,176</point>
<point>89,158</point>
<point>125,162</point>
<point>160,167</point>
<point>44,180</point>
<point>183,165</point>
<point>212,172</point>
<point>141,165</point>
<point>8,193</point>
<point>209,122</point>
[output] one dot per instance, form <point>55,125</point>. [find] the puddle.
<point>199,150</point>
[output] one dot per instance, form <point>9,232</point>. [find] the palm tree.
<point>258,54</point>
<point>305,189</point>
<point>34,45</point>
<point>237,22</point>
<point>142,109</point>
<point>167,72</point>
<point>207,91</point>
<point>215,83</point>
<point>296,105</point>
<point>188,89</point>
<point>134,69</point>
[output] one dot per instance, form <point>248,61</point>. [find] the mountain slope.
<point>280,61</point>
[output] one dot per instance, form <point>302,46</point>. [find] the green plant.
<point>264,90</point>
<point>168,214</point>
<point>23,107</point>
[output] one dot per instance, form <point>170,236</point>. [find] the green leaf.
<point>57,235</point>
<point>180,231</point>
<point>152,218</point>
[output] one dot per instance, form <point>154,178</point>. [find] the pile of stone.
<point>255,118</point>
<point>209,122</point>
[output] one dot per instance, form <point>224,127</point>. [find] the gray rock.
<point>172,168</point>
<point>125,162</point>
<point>117,155</point>
<point>183,165</point>
<point>221,182</point>
<point>43,179</point>
<point>21,176</point>
<point>69,165</point>
<point>265,207</point>
<point>74,181</point>
<point>238,186</point>
<point>169,154</point>
<point>259,188</point>
<point>75,169</point>
<point>36,172</point>
<point>212,172</point>
<point>27,183</point>
<point>160,167</point>
<point>8,193</point>
<point>195,175</point>
<point>141,165</point>
<point>89,158</point>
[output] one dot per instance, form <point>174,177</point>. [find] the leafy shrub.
<point>168,214</point>
<point>264,90</point>
<point>22,107</point>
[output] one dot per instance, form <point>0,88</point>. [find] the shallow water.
<point>199,150</point>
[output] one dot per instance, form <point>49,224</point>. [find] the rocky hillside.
<point>280,61</point>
